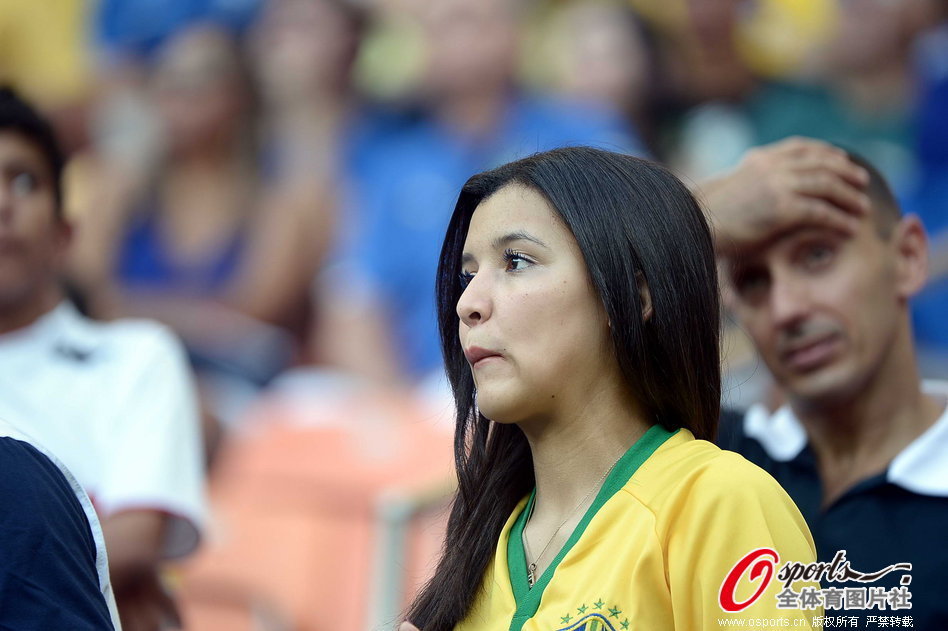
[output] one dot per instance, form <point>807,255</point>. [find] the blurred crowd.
<point>272,179</point>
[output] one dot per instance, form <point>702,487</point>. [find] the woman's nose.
<point>474,305</point>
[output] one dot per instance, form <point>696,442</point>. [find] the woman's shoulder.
<point>685,467</point>
<point>697,491</point>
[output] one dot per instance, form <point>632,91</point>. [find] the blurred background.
<point>272,179</point>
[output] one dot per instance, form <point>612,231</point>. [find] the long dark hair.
<point>634,221</point>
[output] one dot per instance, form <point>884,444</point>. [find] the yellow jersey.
<point>671,522</point>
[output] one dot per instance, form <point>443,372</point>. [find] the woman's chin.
<point>500,409</point>
<point>506,411</point>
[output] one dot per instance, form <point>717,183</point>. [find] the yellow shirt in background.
<point>44,49</point>
<point>670,522</point>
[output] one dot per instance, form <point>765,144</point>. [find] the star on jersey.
<point>587,619</point>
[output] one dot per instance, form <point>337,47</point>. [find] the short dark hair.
<point>633,220</point>
<point>885,207</point>
<point>16,115</point>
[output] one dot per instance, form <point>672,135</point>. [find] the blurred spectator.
<point>220,237</point>
<point>709,65</point>
<point>376,305</point>
<point>303,53</point>
<point>699,63</point>
<point>600,51</point>
<point>125,37</point>
<point>114,401</point>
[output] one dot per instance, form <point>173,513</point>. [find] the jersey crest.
<point>591,622</point>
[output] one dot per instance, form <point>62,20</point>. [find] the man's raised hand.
<point>777,187</point>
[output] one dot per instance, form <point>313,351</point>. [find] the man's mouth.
<point>811,354</point>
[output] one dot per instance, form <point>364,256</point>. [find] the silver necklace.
<point>532,567</point>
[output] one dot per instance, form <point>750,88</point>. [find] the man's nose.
<point>789,300</point>
<point>6,203</point>
<point>474,305</point>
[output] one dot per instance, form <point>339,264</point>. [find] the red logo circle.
<point>760,561</point>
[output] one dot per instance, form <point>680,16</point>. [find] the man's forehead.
<point>785,242</point>
<point>16,144</point>
<point>810,233</point>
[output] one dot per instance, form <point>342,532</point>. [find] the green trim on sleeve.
<point>528,600</point>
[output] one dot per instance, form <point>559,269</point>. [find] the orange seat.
<point>333,523</point>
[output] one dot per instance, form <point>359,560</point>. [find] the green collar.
<point>528,600</point>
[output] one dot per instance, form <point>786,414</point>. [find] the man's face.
<point>823,308</point>
<point>32,238</point>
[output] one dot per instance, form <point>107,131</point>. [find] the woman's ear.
<point>645,296</point>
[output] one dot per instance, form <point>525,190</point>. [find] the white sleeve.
<point>155,455</point>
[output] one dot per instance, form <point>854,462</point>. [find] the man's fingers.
<point>833,162</point>
<point>797,146</point>
<point>806,154</point>
<point>828,186</point>
<point>818,212</point>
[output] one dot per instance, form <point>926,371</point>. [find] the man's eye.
<point>818,255</point>
<point>24,183</point>
<point>465,279</point>
<point>751,283</point>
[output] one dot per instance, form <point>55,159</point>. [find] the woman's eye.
<point>24,183</point>
<point>465,279</point>
<point>515,260</point>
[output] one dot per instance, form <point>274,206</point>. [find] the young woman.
<point>578,310</point>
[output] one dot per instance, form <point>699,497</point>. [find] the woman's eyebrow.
<point>510,237</point>
<point>504,241</point>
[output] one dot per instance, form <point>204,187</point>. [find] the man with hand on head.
<point>819,266</point>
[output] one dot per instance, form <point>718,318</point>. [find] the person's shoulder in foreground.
<point>661,552</point>
<point>53,570</point>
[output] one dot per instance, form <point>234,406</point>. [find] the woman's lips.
<point>477,356</point>
<point>490,359</point>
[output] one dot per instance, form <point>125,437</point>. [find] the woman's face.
<point>531,324</point>
<point>197,88</point>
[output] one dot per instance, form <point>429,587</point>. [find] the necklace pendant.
<point>532,574</point>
